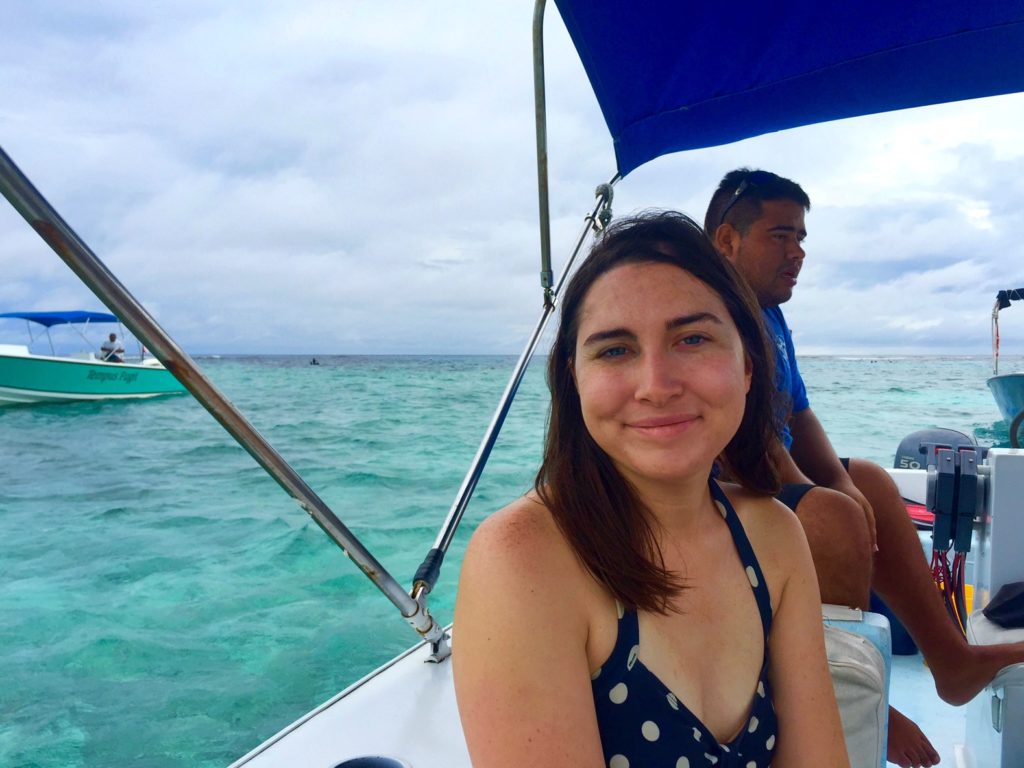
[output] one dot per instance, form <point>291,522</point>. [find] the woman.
<point>629,611</point>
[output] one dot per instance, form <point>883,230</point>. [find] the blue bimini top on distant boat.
<point>61,318</point>
<point>671,76</point>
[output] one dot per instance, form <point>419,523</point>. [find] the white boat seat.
<point>994,736</point>
<point>859,650</point>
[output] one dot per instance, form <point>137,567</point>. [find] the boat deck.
<point>912,692</point>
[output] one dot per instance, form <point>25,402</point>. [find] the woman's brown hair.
<point>595,507</point>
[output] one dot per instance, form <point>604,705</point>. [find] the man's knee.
<point>870,478</point>
<point>878,488</point>
<point>840,542</point>
<point>834,522</point>
<point>894,529</point>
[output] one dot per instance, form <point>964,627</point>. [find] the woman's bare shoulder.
<point>521,540</point>
<point>519,564</point>
<point>525,524</point>
<point>757,510</point>
<point>520,656</point>
<point>774,531</point>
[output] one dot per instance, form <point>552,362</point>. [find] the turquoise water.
<point>164,603</point>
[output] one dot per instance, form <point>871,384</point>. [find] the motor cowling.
<point>916,448</point>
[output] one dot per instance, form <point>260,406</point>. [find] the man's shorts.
<point>793,493</point>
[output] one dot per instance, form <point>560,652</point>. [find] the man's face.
<point>771,254</point>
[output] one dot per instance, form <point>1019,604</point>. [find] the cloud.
<point>357,178</point>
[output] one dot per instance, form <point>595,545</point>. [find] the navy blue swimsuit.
<point>644,725</point>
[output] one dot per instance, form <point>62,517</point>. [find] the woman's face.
<point>661,371</point>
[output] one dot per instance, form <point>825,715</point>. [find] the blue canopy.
<point>673,75</point>
<point>1003,298</point>
<point>59,318</point>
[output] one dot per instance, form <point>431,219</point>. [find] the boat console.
<point>994,738</point>
<point>977,496</point>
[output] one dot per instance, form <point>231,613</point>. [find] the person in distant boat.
<point>860,535</point>
<point>111,350</point>
<point>631,610</point>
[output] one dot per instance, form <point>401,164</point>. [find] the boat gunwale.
<point>82,361</point>
<point>345,692</point>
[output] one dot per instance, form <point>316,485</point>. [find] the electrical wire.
<point>949,580</point>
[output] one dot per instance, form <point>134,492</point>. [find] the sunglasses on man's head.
<point>751,180</point>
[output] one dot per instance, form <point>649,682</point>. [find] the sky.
<point>359,178</point>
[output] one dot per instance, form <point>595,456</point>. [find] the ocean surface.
<point>164,603</point>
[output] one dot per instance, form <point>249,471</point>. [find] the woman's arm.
<point>522,676</point>
<point>810,732</point>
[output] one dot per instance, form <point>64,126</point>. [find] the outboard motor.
<point>915,448</point>
<point>954,488</point>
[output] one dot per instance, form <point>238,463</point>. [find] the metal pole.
<point>426,575</point>
<point>27,200</point>
<point>541,121</point>
<point>995,339</point>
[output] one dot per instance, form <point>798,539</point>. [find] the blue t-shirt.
<point>788,381</point>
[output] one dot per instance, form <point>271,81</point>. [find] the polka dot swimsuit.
<point>644,725</point>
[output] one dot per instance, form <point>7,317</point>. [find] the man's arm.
<point>789,472</point>
<point>813,454</point>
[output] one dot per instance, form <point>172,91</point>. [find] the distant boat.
<point>28,377</point>
<point>1007,388</point>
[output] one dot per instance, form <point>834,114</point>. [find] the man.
<point>860,536</point>
<point>111,350</point>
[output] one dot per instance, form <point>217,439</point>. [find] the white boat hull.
<point>26,378</point>
<point>404,710</point>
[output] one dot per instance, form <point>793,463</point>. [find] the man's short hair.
<point>740,194</point>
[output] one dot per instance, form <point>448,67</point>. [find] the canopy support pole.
<point>995,338</point>
<point>429,570</point>
<point>541,120</point>
<point>45,220</point>
<point>427,573</point>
